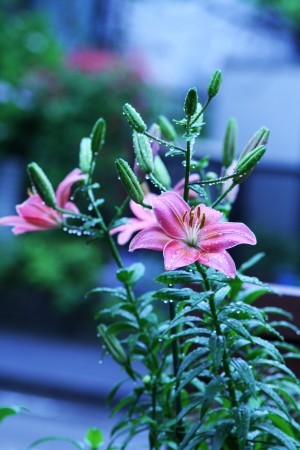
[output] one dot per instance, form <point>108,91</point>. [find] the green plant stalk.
<point>130,295</point>
<point>220,198</point>
<point>163,142</point>
<point>218,330</point>
<point>178,405</point>
<point>189,148</point>
<point>202,110</point>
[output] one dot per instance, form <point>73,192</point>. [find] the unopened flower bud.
<point>85,155</point>
<point>143,152</point>
<point>260,137</point>
<point>98,135</point>
<point>113,345</point>
<point>161,172</point>
<point>167,128</point>
<point>248,162</point>
<point>229,145</point>
<point>129,180</point>
<point>214,84</point>
<point>191,101</point>
<point>134,118</point>
<point>42,184</point>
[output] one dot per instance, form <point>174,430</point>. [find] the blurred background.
<point>64,64</point>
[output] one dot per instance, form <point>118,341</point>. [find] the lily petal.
<point>34,211</point>
<point>152,238</point>
<point>217,237</point>
<point>220,261</point>
<point>142,213</point>
<point>63,190</point>
<point>169,209</point>
<point>126,231</point>
<point>177,254</point>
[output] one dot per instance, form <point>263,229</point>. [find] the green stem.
<point>220,198</point>
<point>120,211</point>
<point>166,143</point>
<point>175,352</point>
<point>217,326</point>
<point>216,181</point>
<point>202,110</point>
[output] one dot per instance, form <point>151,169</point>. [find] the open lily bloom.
<point>186,235</point>
<point>34,215</point>
<point>144,217</point>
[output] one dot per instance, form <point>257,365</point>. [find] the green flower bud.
<point>260,137</point>
<point>229,145</point>
<point>191,101</point>
<point>161,172</point>
<point>129,180</point>
<point>134,118</point>
<point>143,152</point>
<point>167,128</point>
<point>85,155</point>
<point>248,162</point>
<point>42,184</point>
<point>98,135</point>
<point>113,345</point>
<point>214,84</point>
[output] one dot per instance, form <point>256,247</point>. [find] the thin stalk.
<point>175,351</point>
<point>120,210</point>
<point>189,148</point>
<point>129,291</point>
<point>202,110</point>
<point>220,198</point>
<point>217,326</point>
<point>166,143</point>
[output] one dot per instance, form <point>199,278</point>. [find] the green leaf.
<point>221,433</point>
<point>132,274</point>
<point>250,295</point>
<point>270,348</point>
<point>38,442</point>
<point>221,294</point>
<point>169,294</point>
<point>216,347</point>
<point>242,419</point>
<point>94,437</point>
<point>193,356</point>
<point>288,442</point>
<point>238,327</point>
<point>275,364</point>
<point>270,392</point>
<point>199,190</point>
<point>253,280</point>
<point>212,389</point>
<point>121,404</point>
<point>6,411</point>
<point>251,262</point>
<point>114,390</point>
<point>278,311</point>
<point>280,420</point>
<point>176,152</point>
<point>114,292</point>
<point>177,277</point>
<point>244,373</point>
<point>191,374</point>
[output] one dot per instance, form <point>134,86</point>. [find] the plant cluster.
<point>213,375</point>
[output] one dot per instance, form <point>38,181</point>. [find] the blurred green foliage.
<point>47,104</point>
<point>289,9</point>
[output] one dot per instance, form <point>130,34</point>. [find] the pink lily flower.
<point>186,235</point>
<point>34,215</point>
<point>144,218</point>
